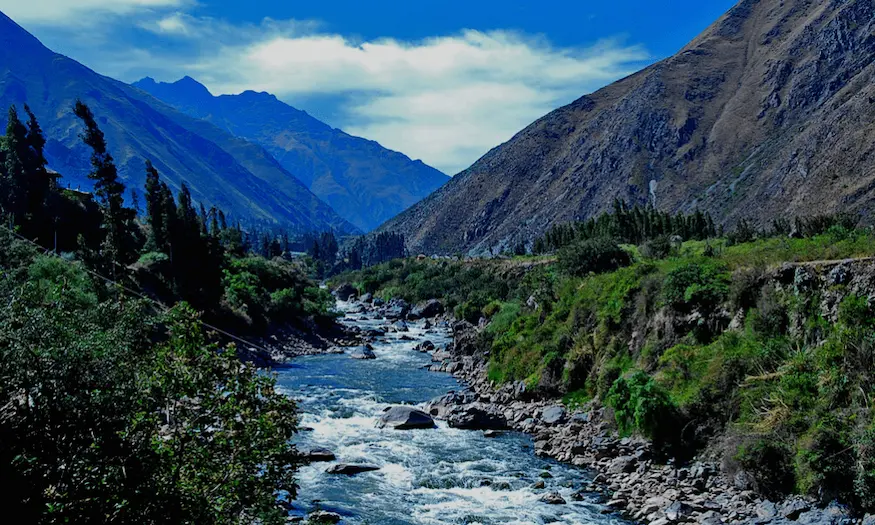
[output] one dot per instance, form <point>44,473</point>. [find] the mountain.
<point>364,182</point>
<point>769,113</point>
<point>223,170</point>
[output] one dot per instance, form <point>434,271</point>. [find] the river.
<point>430,477</point>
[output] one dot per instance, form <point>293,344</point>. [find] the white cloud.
<point>446,100</point>
<point>71,11</point>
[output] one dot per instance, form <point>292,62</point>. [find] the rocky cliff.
<point>768,113</point>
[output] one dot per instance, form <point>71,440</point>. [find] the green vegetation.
<point>112,413</point>
<point>705,342</point>
<point>113,406</point>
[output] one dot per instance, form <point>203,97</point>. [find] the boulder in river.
<point>397,309</point>
<point>427,310</point>
<point>323,516</point>
<point>400,326</point>
<point>366,298</point>
<point>363,352</point>
<point>425,346</point>
<point>345,292</point>
<point>405,418</point>
<point>475,418</point>
<point>349,469</point>
<point>554,498</point>
<point>316,454</point>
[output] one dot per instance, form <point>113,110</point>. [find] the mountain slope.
<point>364,182</point>
<point>769,113</point>
<point>221,169</point>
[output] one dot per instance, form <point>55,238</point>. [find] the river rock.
<point>475,418</point>
<point>554,498</point>
<point>405,418</point>
<point>362,352</point>
<point>350,470</point>
<point>397,309</point>
<point>378,302</point>
<point>316,454</point>
<point>464,339</point>
<point>366,298</point>
<point>425,346</point>
<point>345,292</point>
<point>427,310</point>
<point>553,415</point>
<point>400,326</point>
<point>323,516</point>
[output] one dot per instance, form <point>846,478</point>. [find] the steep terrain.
<point>221,169</point>
<point>768,113</point>
<point>364,182</point>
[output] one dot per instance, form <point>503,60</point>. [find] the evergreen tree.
<point>108,189</point>
<point>15,169</point>
<point>155,209</point>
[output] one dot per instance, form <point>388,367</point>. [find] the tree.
<point>15,169</point>
<point>155,209</point>
<point>108,189</point>
<point>39,181</point>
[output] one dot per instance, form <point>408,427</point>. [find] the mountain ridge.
<point>220,169</point>
<point>360,179</point>
<point>766,113</point>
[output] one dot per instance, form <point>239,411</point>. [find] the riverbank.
<point>627,475</point>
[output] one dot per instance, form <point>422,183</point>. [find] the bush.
<point>641,405</point>
<point>696,286</point>
<point>770,463</point>
<point>658,248</point>
<point>592,256</point>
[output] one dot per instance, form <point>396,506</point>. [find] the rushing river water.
<point>437,476</point>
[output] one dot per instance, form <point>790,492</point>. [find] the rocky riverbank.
<point>626,474</point>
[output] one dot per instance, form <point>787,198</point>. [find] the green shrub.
<point>696,285</point>
<point>770,462</point>
<point>592,256</point>
<point>658,248</point>
<point>642,406</point>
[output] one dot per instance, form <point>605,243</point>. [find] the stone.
<point>677,511</point>
<point>554,498</point>
<point>553,415</point>
<point>362,352</point>
<point>400,326</point>
<point>492,434</point>
<point>622,464</point>
<point>350,470</point>
<point>322,516</point>
<point>405,418</point>
<point>366,298</point>
<point>475,418</point>
<point>794,508</point>
<point>316,454</point>
<point>425,346</point>
<point>428,310</point>
<point>345,292</point>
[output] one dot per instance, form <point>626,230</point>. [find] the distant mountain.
<point>221,169</point>
<point>769,113</point>
<point>364,182</point>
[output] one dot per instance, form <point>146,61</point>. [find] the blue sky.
<point>442,81</point>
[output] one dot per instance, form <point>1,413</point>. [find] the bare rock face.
<point>770,112</point>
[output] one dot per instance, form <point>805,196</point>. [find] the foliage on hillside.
<point>111,413</point>
<point>708,343</point>
<point>113,409</point>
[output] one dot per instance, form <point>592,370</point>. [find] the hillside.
<point>768,113</point>
<point>364,182</point>
<point>221,170</point>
